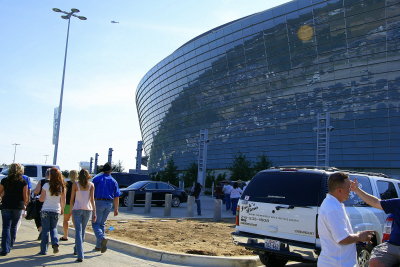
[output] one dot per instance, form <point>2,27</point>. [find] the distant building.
<point>259,83</point>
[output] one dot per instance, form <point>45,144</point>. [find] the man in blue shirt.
<point>387,253</point>
<point>106,193</point>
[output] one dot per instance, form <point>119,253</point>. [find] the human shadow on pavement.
<point>35,259</point>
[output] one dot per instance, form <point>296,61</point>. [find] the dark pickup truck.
<point>126,179</point>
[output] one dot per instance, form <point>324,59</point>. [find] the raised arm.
<point>367,198</point>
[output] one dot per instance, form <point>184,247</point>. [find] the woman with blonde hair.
<point>14,196</point>
<point>53,198</point>
<point>82,201</point>
<point>73,175</point>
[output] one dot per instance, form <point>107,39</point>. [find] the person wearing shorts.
<point>73,175</point>
<point>386,254</point>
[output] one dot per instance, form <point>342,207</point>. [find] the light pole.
<point>67,16</point>
<point>15,150</point>
<point>45,161</point>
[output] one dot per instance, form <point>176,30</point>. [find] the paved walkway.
<point>26,249</point>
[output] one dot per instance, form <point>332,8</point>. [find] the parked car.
<point>158,190</point>
<point>126,179</point>
<point>277,213</point>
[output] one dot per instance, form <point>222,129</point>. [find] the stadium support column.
<point>110,151</point>
<point>139,150</point>
<point>202,160</point>
<point>323,130</point>
<point>96,157</point>
<point>91,165</point>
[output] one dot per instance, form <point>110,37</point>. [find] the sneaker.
<point>104,245</point>
<point>97,249</point>
<point>3,253</point>
<point>79,260</point>
<point>55,249</point>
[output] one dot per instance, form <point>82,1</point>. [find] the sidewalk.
<point>26,249</point>
<point>207,211</point>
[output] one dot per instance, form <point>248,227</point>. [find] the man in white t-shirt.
<point>334,228</point>
<point>227,193</point>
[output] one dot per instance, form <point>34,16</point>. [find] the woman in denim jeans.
<point>53,198</point>
<point>82,201</point>
<point>14,193</point>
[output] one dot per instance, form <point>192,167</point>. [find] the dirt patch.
<point>200,236</point>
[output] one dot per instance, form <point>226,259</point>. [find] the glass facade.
<point>258,83</point>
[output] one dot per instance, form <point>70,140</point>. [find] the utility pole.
<point>15,150</point>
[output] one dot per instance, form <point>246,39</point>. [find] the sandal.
<point>63,239</point>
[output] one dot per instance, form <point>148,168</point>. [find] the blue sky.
<point>104,66</point>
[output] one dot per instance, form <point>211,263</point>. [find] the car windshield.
<point>137,185</point>
<point>4,171</point>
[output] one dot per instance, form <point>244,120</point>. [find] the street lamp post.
<point>15,150</point>
<point>67,16</point>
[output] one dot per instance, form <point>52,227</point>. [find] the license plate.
<point>272,244</point>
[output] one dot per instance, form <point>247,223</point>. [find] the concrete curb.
<point>169,257</point>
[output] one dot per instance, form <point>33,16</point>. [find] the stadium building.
<point>310,82</point>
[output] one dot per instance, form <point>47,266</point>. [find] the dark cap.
<point>107,167</point>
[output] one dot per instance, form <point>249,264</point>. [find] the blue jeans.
<point>49,224</point>
<point>10,219</point>
<point>234,205</point>
<point>81,219</point>
<point>103,208</point>
<point>198,203</point>
<point>228,201</point>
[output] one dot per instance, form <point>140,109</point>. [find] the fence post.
<point>168,202</point>
<point>131,199</point>
<point>190,206</point>
<point>147,204</point>
<point>217,209</point>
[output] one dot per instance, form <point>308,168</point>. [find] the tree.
<point>262,164</point>
<point>241,168</point>
<point>221,177</point>
<point>190,175</point>
<point>210,178</point>
<point>118,167</point>
<point>170,173</point>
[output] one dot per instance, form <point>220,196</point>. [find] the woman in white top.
<point>53,198</point>
<point>82,201</point>
<point>235,195</point>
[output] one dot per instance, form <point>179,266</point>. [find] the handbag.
<point>31,210</point>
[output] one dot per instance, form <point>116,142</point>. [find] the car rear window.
<point>290,188</point>
<point>30,171</point>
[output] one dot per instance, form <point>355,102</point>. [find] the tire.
<point>363,255</point>
<point>176,202</point>
<point>125,201</point>
<point>270,260</point>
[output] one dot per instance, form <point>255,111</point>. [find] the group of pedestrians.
<point>79,197</point>
<point>232,195</point>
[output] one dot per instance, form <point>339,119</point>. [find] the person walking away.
<point>386,253</point>
<point>53,198</point>
<point>106,193</point>
<point>13,193</point>
<point>236,192</point>
<point>28,182</point>
<point>82,201</point>
<point>196,194</point>
<point>73,174</point>
<point>227,193</point>
<point>338,241</point>
<point>37,192</point>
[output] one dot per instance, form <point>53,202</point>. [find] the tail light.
<point>387,229</point>
<point>316,227</point>
<point>237,215</point>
